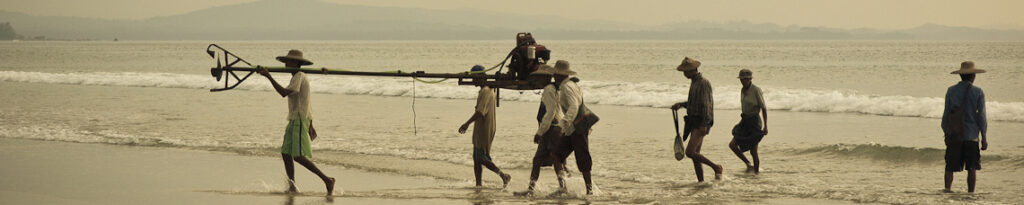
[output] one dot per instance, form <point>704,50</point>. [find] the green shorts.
<point>296,139</point>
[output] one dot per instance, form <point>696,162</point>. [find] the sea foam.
<point>642,94</point>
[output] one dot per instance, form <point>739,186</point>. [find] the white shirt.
<point>552,110</point>
<point>298,100</point>
<point>570,98</point>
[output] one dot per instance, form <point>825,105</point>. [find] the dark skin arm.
<point>679,105</point>
<point>277,87</point>
<point>284,93</point>
<point>984,142</point>
<point>312,132</point>
<point>764,115</point>
<point>465,126</point>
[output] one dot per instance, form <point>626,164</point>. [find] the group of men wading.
<point>565,124</point>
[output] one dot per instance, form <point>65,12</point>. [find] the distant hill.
<point>315,20</point>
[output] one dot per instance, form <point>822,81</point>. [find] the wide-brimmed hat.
<point>746,74</point>
<point>967,67</point>
<point>294,55</point>
<point>688,65</point>
<point>562,68</point>
<point>544,70</point>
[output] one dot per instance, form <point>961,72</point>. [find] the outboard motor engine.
<point>528,55</point>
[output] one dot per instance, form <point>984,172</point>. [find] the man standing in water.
<point>300,130</point>
<point>700,110</point>
<point>548,130</point>
<point>483,132</point>
<point>573,139</point>
<point>962,119</point>
<point>748,133</point>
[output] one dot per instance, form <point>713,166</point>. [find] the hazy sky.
<point>830,13</point>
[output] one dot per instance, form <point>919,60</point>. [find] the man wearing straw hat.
<point>299,131</point>
<point>962,120</point>
<point>699,110</point>
<point>548,130</point>
<point>483,121</point>
<point>574,138</point>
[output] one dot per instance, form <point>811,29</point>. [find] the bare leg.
<point>972,176</point>
<point>490,166</point>
<point>534,174</point>
<point>757,160</point>
<point>328,181</point>
<point>477,170</point>
<point>736,149</point>
<point>559,164</point>
<point>693,151</point>
<point>535,171</point>
<point>289,169</point>
<point>494,168</point>
<point>949,181</point>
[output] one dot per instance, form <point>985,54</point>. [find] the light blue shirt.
<point>974,120</point>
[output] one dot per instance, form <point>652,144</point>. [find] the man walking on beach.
<point>700,110</point>
<point>299,131</point>
<point>483,132</point>
<point>962,119</point>
<point>748,133</point>
<point>573,139</point>
<point>548,130</point>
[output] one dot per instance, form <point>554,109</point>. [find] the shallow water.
<point>833,134</point>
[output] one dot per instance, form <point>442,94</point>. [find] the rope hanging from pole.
<point>415,129</point>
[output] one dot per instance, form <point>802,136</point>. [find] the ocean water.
<point>850,121</point>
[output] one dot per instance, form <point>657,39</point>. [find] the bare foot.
<point>559,192</point>
<point>505,178</point>
<point>750,169</point>
<point>330,186</point>
<point>947,191</point>
<point>291,187</point>
<point>528,192</point>
<point>718,172</point>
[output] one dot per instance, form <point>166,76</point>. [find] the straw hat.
<point>544,70</point>
<point>688,65</point>
<point>967,67</point>
<point>562,68</point>
<point>746,74</point>
<point>294,55</point>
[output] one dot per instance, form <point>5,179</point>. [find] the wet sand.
<point>48,172</point>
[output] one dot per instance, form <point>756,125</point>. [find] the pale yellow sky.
<point>888,14</point>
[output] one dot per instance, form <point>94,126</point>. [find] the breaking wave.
<point>897,154</point>
<point>644,94</point>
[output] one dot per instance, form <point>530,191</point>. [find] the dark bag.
<point>954,124</point>
<point>541,112</point>
<point>585,119</point>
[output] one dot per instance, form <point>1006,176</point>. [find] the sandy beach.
<point>48,172</point>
